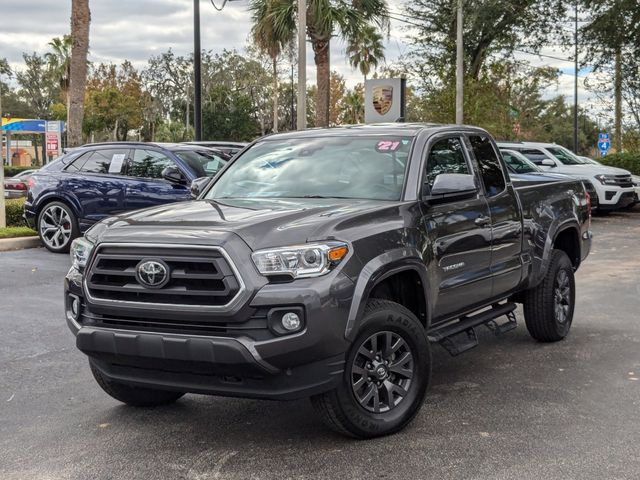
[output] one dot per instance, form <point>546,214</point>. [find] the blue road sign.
<point>604,143</point>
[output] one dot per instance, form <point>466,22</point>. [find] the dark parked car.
<point>323,264</point>
<point>228,147</point>
<point>93,182</point>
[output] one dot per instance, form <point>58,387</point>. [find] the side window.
<point>445,156</point>
<point>536,156</point>
<point>148,164</point>
<point>105,161</point>
<point>77,164</point>
<point>489,164</point>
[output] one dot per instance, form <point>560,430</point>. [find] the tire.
<point>548,308</point>
<point>134,396</point>
<point>57,226</point>
<point>388,323</point>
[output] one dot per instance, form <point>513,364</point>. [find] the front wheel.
<point>386,375</point>
<point>548,308</point>
<point>57,226</point>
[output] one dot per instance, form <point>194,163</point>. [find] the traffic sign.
<point>604,143</point>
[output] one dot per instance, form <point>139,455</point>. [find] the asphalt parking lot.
<point>509,409</point>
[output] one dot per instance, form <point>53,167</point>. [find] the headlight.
<point>80,252</point>
<point>606,179</point>
<point>300,261</point>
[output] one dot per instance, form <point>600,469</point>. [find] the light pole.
<point>197,72</point>
<point>575,87</point>
<point>459,67</point>
<point>302,65</point>
<point>3,219</point>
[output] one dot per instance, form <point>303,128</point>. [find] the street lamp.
<point>459,67</point>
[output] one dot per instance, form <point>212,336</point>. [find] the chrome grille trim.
<point>175,307</point>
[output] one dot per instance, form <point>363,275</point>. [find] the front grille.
<point>198,277</point>
<point>623,181</point>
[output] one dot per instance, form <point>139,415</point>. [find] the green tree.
<point>36,86</point>
<point>59,61</point>
<point>614,28</point>
<point>270,40</point>
<point>366,50</point>
<point>228,115</point>
<point>326,19</point>
<point>353,106</point>
<point>114,101</point>
<point>490,26</point>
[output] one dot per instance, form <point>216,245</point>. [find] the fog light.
<point>291,321</point>
<point>75,307</point>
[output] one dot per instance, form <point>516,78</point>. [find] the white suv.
<point>614,186</point>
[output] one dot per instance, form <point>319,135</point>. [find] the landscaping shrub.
<point>628,161</point>
<point>10,171</point>
<point>14,208</point>
<point>12,232</point>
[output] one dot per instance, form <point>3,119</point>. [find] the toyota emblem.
<point>152,273</point>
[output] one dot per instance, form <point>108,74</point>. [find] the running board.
<point>460,336</point>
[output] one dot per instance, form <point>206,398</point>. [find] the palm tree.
<point>366,50</point>
<point>59,61</point>
<point>325,19</point>
<point>80,20</point>
<point>269,39</point>
<point>353,107</point>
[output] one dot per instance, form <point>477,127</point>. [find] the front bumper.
<point>237,362</point>
<point>612,198</point>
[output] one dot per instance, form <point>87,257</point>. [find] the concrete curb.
<point>19,243</point>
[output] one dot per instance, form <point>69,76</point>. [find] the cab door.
<point>506,217</point>
<point>458,233</point>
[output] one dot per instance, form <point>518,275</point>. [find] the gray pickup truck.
<point>324,264</point>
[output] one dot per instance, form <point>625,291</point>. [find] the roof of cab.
<point>404,129</point>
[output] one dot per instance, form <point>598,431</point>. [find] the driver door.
<point>458,233</point>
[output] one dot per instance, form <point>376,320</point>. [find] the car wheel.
<point>386,375</point>
<point>134,396</point>
<point>57,227</point>
<point>548,308</point>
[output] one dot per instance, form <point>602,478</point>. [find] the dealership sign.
<point>384,100</point>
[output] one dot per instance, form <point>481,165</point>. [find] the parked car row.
<point>614,188</point>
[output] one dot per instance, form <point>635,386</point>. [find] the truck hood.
<point>261,223</point>
<point>587,171</point>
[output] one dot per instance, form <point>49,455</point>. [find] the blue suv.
<point>96,181</point>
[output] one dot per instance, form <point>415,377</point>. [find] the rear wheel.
<point>386,375</point>
<point>134,396</point>
<point>57,227</point>
<point>548,308</point>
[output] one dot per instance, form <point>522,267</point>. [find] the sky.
<point>138,29</point>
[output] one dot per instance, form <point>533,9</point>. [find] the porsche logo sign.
<point>382,98</point>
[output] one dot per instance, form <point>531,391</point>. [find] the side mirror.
<point>173,175</point>
<point>198,185</point>
<point>547,162</point>
<point>447,185</point>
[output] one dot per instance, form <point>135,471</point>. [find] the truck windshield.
<point>367,167</point>
<point>565,156</point>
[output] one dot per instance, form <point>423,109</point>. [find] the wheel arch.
<point>42,203</point>
<point>402,276</point>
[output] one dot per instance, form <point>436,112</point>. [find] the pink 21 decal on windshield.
<point>388,145</point>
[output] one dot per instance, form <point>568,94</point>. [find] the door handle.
<point>482,221</point>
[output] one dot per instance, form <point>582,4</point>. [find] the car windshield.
<point>518,163</point>
<point>368,167</point>
<point>202,162</point>
<point>565,156</point>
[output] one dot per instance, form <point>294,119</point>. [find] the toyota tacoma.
<point>325,264</point>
